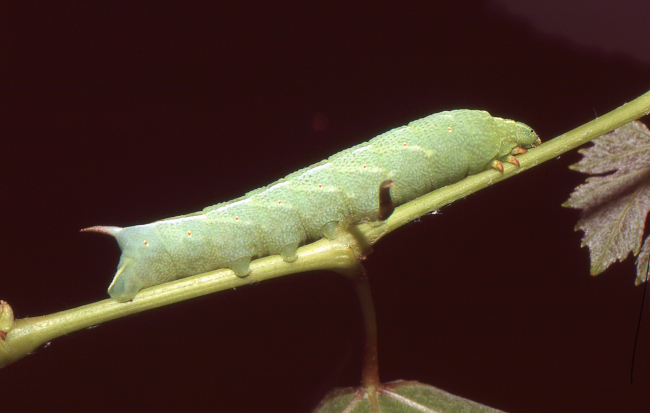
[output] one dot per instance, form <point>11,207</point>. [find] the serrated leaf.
<point>400,397</point>
<point>642,268</point>
<point>625,147</point>
<point>614,207</point>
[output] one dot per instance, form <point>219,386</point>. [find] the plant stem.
<point>370,371</point>
<point>25,335</point>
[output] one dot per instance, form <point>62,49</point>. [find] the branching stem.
<point>25,335</point>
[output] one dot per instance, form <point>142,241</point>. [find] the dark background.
<point>122,114</point>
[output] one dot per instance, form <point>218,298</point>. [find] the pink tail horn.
<point>103,230</point>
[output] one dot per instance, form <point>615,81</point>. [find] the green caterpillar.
<point>306,205</point>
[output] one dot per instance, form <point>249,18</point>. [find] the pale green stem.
<point>25,335</point>
<point>370,370</point>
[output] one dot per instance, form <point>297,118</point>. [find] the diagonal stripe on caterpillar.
<point>306,205</point>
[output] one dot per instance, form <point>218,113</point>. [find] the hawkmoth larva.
<point>306,205</point>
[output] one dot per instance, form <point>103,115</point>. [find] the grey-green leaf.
<point>627,147</point>
<point>615,206</point>
<point>400,396</point>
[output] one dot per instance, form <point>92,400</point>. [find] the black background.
<point>121,114</point>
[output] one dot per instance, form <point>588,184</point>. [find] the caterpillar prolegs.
<point>306,205</point>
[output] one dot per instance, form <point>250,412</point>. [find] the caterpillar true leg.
<point>511,159</point>
<point>496,164</point>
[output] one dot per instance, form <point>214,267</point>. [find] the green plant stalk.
<point>341,254</point>
<point>370,372</point>
<point>370,382</point>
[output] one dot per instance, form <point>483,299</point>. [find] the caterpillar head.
<point>526,136</point>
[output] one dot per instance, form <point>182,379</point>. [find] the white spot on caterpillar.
<point>449,129</point>
<point>327,165</point>
<point>362,149</point>
<point>199,219</point>
<point>243,201</point>
<point>146,243</point>
<point>278,185</point>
